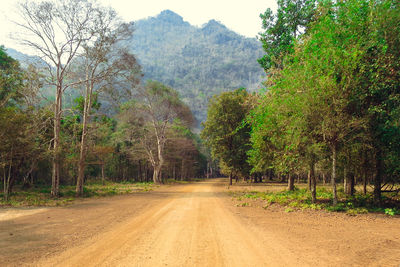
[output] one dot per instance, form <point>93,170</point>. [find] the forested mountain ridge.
<point>24,59</point>
<point>197,62</point>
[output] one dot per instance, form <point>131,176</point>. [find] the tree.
<point>57,30</point>
<point>101,59</point>
<point>23,126</point>
<point>377,97</point>
<point>282,29</point>
<point>159,108</point>
<point>335,92</point>
<point>226,132</point>
<point>11,79</point>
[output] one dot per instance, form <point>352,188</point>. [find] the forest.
<point>330,110</point>
<point>84,112</point>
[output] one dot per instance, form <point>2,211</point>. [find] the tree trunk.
<point>365,173</point>
<point>230,179</point>
<point>271,174</point>
<point>345,180</point>
<point>81,173</point>
<point>378,178</point>
<point>139,174</point>
<point>309,180</point>
<point>83,146</point>
<point>333,178</point>
<point>290,182</point>
<point>102,173</point>
<point>313,181</point>
<point>350,184</point>
<point>148,173</point>
<point>26,183</point>
<point>182,169</point>
<point>157,174</point>
<point>157,169</point>
<point>55,178</point>
<point>7,178</point>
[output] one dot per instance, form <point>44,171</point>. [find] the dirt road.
<point>194,225</point>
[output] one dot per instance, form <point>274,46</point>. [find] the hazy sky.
<point>241,16</point>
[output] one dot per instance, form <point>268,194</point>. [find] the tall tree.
<point>101,60</point>
<point>282,29</point>
<point>57,30</point>
<point>226,132</point>
<point>337,87</point>
<point>377,94</point>
<point>23,124</point>
<point>158,110</point>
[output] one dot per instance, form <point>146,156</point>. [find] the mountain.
<point>197,62</point>
<point>24,59</point>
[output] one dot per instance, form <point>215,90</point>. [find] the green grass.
<point>40,196</point>
<point>300,199</point>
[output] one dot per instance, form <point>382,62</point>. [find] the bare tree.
<point>158,108</point>
<point>161,107</point>
<point>57,31</point>
<point>101,60</point>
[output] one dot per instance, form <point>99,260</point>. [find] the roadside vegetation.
<point>40,195</point>
<point>299,199</point>
<point>82,111</point>
<point>329,114</point>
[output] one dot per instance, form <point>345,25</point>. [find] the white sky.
<point>241,16</point>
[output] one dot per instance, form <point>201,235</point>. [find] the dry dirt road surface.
<point>194,224</point>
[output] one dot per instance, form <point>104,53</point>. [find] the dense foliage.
<point>225,133</point>
<point>332,104</point>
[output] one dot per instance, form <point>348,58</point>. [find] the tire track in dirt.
<point>195,225</point>
<point>189,230</point>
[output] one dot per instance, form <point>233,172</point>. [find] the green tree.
<point>377,97</point>
<point>11,79</point>
<point>23,125</point>
<point>226,132</point>
<point>282,29</point>
<point>337,90</point>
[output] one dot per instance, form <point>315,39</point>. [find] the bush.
<point>392,212</point>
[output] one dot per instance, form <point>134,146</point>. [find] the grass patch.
<point>300,199</point>
<point>289,210</point>
<point>40,196</point>
<point>392,212</point>
<point>244,204</point>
